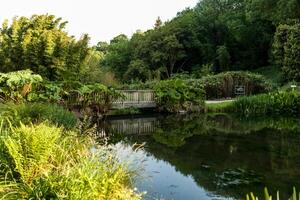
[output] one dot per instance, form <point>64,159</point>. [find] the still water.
<point>209,157</point>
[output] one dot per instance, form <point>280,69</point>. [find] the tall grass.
<point>267,196</point>
<point>36,113</point>
<point>46,162</point>
<point>217,107</point>
<point>279,103</point>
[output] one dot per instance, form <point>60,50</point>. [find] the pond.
<point>214,156</point>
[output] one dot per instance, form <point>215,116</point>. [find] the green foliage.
<point>269,197</point>
<point>217,107</point>
<point>117,57</point>
<point>137,70</point>
<point>30,148</point>
<point>222,85</point>
<point>286,50</point>
<point>16,86</point>
<point>45,162</point>
<point>223,58</point>
<point>47,92</point>
<point>205,70</point>
<point>278,103</point>
<point>36,113</point>
<point>41,44</point>
<point>272,73</point>
<point>231,35</point>
<point>91,70</point>
<point>174,95</point>
<point>277,11</point>
<point>96,96</point>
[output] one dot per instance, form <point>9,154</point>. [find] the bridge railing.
<point>130,98</point>
<point>136,98</point>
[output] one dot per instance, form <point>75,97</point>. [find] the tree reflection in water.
<point>226,155</point>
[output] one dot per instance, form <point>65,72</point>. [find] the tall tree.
<point>40,43</point>
<point>118,56</point>
<point>286,50</point>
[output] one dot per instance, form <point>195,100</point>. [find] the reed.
<point>267,196</point>
<point>279,103</point>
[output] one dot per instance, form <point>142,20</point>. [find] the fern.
<point>30,149</point>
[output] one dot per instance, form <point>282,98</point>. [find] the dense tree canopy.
<point>212,37</point>
<point>229,34</point>
<point>40,43</point>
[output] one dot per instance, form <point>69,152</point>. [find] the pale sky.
<point>101,19</point>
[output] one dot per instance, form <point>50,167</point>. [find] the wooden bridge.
<point>135,98</point>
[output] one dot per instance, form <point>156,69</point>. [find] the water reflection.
<point>212,156</point>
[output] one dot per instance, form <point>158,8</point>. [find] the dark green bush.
<point>286,50</point>
<point>175,94</point>
<point>222,85</point>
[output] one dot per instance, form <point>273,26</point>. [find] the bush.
<point>278,103</point>
<point>36,113</point>
<point>73,94</point>
<point>98,97</point>
<point>174,95</point>
<point>45,162</point>
<point>286,50</point>
<point>51,92</point>
<point>222,85</point>
<point>15,86</point>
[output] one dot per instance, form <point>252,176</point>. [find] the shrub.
<point>15,86</point>
<point>277,103</point>
<point>36,113</point>
<point>96,96</point>
<point>45,162</point>
<point>174,95</point>
<point>222,85</point>
<point>47,92</point>
<point>72,94</point>
<point>286,50</point>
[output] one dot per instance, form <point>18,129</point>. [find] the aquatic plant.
<point>267,196</point>
<point>287,103</point>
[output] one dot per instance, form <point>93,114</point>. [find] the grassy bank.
<point>217,107</point>
<point>51,160</point>
<point>277,103</point>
